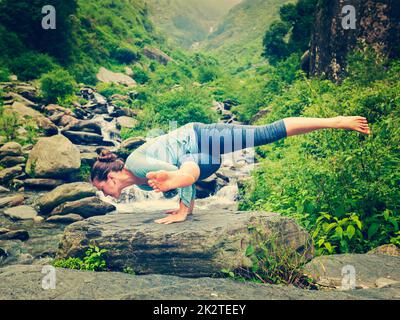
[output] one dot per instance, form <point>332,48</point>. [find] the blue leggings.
<point>214,140</point>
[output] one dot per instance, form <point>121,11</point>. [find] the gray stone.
<point>132,143</point>
<point>127,122</point>
<point>4,190</point>
<point>42,184</point>
<point>21,213</point>
<point>85,138</point>
<point>10,173</point>
<point>12,201</point>
<point>10,161</point>
<point>202,246</point>
<point>23,282</point>
<point>64,193</point>
<point>386,249</point>
<point>66,219</point>
<point>11,149</point>
<point>84,126</point>
<point>156,54</point>
<point>327,270</point>
<point>53,157</point>
<point>6,234</point>
<point>108,76</point>
<point>86,207</point>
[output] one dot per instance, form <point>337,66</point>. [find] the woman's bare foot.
<point>176,211</point>
<point>163,181</point>
<point>356,123</point>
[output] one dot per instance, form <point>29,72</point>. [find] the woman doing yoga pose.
<point>173,162</point>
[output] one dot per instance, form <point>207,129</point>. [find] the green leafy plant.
<point>129,270</point>
<point>84,172</point>
<point>9,124</point>
<point>272,262</point>
<point>93,261</point>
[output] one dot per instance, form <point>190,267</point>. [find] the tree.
<point>292,33</point>
<point>24,17</point>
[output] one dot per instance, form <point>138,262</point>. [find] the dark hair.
<point>106,162</point>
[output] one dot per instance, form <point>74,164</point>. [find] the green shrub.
<point>93,261</point>
<point>125,55</point>
<point>140,75</point>
<point>272,261</point>
<point>57,86</point>
<point>207,74</point>
<point>341,185</point>
<point>4,74</point>
<point>9,125</point>
<point>109,89</point>
<point>183,105</point>
<point>30,65</point>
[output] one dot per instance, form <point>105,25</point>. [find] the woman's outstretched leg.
<point>217,139</point>
<point>296,126</point>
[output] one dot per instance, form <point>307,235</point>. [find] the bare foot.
<point>176,211</point>
<point>163,181</point>
<point>356,123</point>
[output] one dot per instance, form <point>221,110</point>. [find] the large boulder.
<point>23,282</point>
<point>202,246</point>
<point>107,76</point>
<point>64,193</point>
<point>53,157</point>
<point>86,207</point>
<point>24,113</point>
<point>370,270</point>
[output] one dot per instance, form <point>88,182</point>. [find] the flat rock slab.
<point>23,282</point>
<point>370,270</point>
<point>201,246</point>
<point>21,213</point>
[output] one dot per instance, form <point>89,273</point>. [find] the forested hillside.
<point>238,38</point>
<point>89,33</point>
<point>188,22</point>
